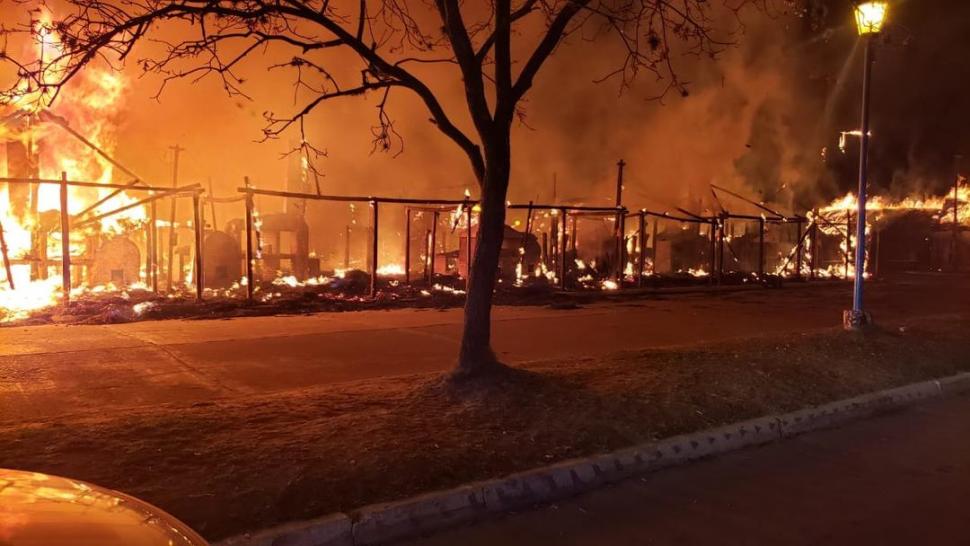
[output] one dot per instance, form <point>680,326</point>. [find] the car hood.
<point>42,510</point>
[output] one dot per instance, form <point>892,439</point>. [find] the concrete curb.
<point>335,529</point>
<point>386,522</point>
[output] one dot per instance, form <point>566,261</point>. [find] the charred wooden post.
<point>65,241</point>
<point>761,249</point>
<point>721,225</point>
<point>431,253</point>
<point>552,241</point>
<point>621,254</point>
<point>171,218</point>
<point>250,276</point>
<point>525,235</point>
<point>6,258</point>
<point>368,262</point>
<point>468,251</point>
<point>197,224</point>
<point>653,241</point>
<point>153,246</point>
<point>573,242</point>
<point>641,250</point>
<point>562,254</point>
<point>148,253</point>
<point>427,253</point>
<point>441,241</point>
<point>407,245</point>
<point>373,247</point>
<point>713,259</point>
<point>799,249</point>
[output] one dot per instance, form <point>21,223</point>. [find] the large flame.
<point>954,206</point>
<point>91,103</point>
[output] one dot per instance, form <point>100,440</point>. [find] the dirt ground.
<point>234,465</point>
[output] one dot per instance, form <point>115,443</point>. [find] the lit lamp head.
<point>870,17</point>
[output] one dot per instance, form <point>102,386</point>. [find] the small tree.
<point>389,38</point>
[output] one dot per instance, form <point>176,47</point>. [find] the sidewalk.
<point>899,479</point>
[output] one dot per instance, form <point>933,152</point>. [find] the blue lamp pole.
<point>870,17</point>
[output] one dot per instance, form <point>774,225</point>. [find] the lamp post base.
<point>855,320</point>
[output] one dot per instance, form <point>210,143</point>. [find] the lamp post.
<point>870,18</point>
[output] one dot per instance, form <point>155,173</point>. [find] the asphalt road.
<point>899,479</point>
<point>57,370</point>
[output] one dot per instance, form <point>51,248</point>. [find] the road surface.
<point>900,479</point>
<point>59,370</point>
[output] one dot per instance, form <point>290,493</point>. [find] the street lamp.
<point>869,18</point>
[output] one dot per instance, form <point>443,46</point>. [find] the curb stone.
<point>955,384</point>
<point>380,523</point>
<point>332,530</point>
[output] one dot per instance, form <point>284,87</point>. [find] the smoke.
<point>743,125</point>
<point>736,127</point>
<point>747,123</point>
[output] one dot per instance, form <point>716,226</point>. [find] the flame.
<point>941,205</point>
<point>91,102</point>
<point>838,212</point>
<point>390,270</point>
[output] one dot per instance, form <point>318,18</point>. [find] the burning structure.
<point>68,206</point>
<point>912,234</point>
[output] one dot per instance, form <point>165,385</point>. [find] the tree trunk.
<point>476,356</point>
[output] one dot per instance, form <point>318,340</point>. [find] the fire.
<point>941,205</point>
<point>609,284</point>
<point>834,219</point>
<point>91,102</point>
<point>699,272</point>
<point>390,270</point>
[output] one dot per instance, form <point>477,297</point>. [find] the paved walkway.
<point>49,371</point>
<point>899,479</point>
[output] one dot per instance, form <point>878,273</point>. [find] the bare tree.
<point>391,38</point>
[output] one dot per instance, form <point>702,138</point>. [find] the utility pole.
<point>177,150</point>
